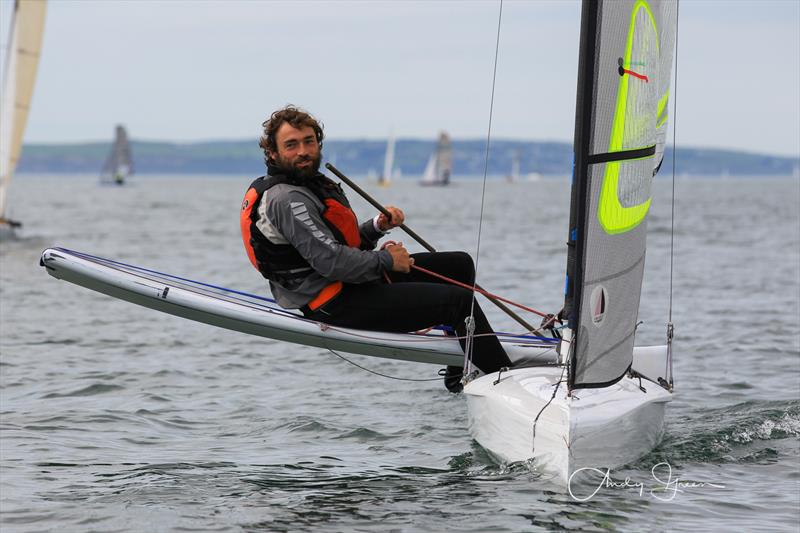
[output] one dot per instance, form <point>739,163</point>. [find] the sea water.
<point>118,418</point>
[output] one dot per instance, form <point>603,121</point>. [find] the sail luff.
<point>25,44</point>
<point>578,199</point>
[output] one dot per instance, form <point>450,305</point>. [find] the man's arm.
<point>298,218</point>
<point>370,234</point>
<point>373,230</point>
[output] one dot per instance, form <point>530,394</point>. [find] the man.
<point>300,233</point>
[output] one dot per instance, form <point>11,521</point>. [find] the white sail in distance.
<point>440,165</point>
<point>388,162</point>
<point>22,62</point>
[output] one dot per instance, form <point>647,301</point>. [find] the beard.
<point>292,171</point>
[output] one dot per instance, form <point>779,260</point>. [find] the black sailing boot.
<point>452,379</point>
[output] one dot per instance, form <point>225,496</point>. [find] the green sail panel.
<point>621,122</point>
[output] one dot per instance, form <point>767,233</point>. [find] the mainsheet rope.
<point>480,291</point>
<point>473,288</point>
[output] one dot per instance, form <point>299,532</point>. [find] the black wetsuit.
<point>415,301</point>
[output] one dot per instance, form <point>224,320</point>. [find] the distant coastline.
<point>365,157</point>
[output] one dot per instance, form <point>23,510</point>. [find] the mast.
<point>583,114</point>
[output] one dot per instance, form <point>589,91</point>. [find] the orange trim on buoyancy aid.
<point>250,200</point>
<point>344,220</point>
<point>325,295</point>
<point>264,254</point>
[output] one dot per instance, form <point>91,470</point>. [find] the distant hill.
<point>360,157</point>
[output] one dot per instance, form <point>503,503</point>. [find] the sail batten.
<point>621,120</point>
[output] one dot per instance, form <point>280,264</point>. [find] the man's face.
<point>298,150</point>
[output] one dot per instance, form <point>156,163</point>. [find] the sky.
<point>190,70</point>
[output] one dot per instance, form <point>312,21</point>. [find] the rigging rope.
<point>479,291</point>
<point>545,406</point>
<point>470,325</point>
<point>674,150</point>
<point>670,326</point>
<point>474,288</point>
<point>378,373</point>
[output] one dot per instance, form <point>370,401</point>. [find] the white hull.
<point>601,428</point>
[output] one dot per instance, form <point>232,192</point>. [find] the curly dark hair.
<point>297,118</point>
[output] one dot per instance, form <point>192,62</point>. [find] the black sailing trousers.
<point>416,301</point>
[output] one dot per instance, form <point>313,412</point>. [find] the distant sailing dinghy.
<point>119,164</point>
<point>19,78</point>
<point>513,176</point>
<point>385,179</point>
<point>440,164</point>
<point>593,410</point>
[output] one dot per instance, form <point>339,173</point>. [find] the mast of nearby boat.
<point>444,161</point>
<point>22,61</point>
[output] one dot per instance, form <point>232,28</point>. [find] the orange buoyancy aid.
<point>282,263</point>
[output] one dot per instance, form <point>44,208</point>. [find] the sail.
<point>624,74</point>
<point>440,164</point>
<point>118,165</point>
<point>388,162</point>
<point>429,174</point>
<point>22,61</point>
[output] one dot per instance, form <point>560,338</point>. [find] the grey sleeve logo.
<point>301,213</point>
